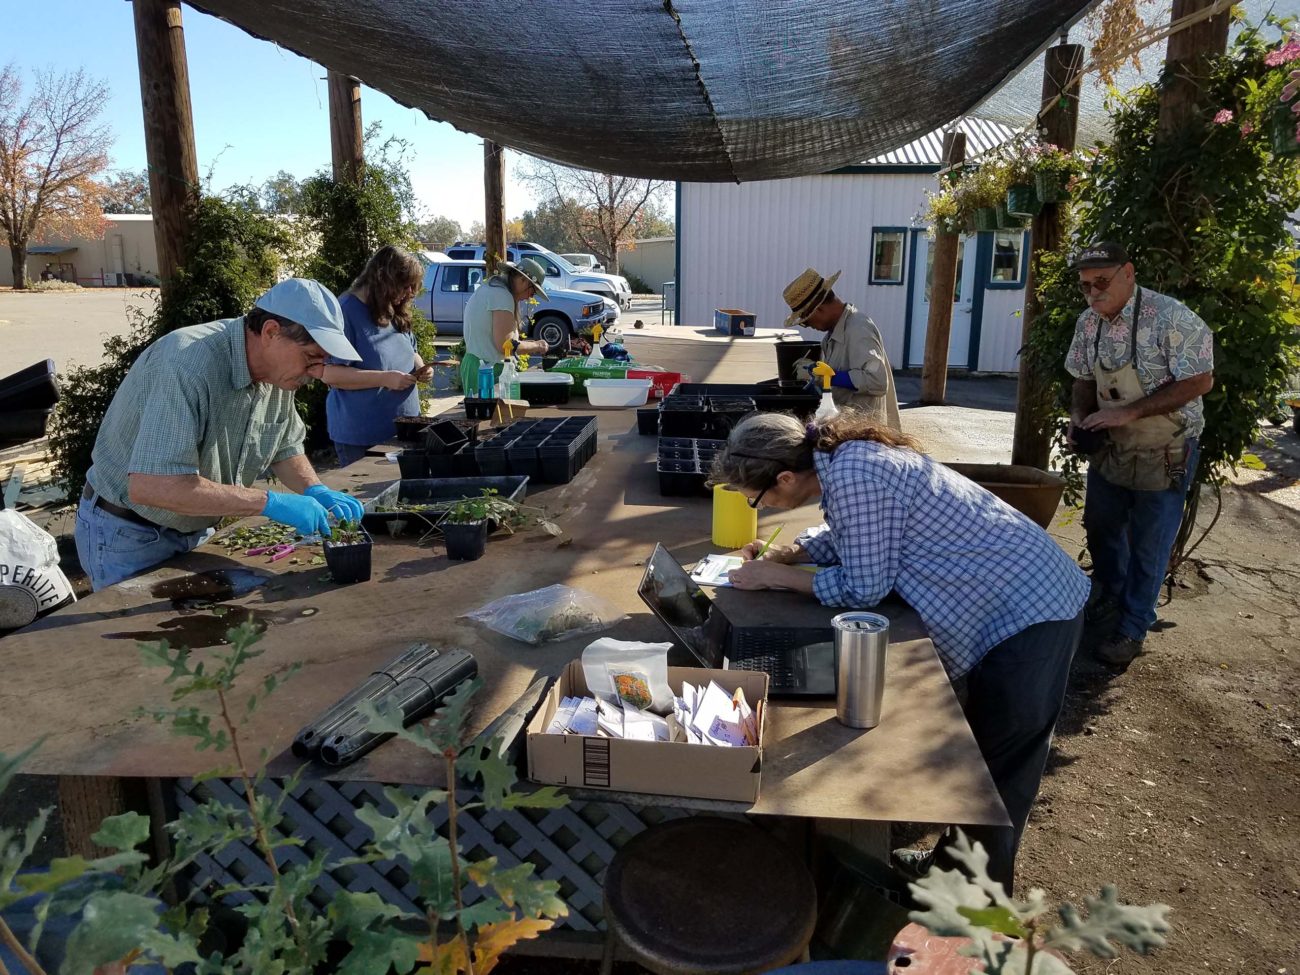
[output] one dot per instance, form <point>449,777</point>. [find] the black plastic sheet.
<point>689,89</point>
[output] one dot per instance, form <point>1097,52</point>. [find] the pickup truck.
<point>448,285</point>
<point>558,270</point>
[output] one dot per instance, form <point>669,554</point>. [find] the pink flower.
<point>1283,55</point>
<point>1223,116</point>
<point>1247,128</point>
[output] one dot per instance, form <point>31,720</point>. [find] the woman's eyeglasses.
<point>757,499</point>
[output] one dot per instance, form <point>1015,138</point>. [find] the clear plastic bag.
<point>625,672</point>
<point>546,615</point>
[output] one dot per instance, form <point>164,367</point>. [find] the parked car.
<point>448,284</point>
<point>584,262</point>
<point>564,274</point>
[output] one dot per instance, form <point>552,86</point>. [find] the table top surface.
<point>76,680</point>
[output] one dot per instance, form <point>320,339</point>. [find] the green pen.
<point>768,543</point>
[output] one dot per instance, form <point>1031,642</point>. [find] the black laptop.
<point>800,660</point>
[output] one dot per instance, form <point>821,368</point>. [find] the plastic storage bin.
<point>618,392</point>
<point>33,388</point>
<point>545,388</point>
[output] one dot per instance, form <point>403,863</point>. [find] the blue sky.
<point>257,108</point>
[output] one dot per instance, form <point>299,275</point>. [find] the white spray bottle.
<point>508,383</point>
<point>827,409</point>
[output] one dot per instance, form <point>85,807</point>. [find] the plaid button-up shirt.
<point>975,569</point>
<point>189,406</point>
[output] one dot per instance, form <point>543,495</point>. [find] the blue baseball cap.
<point>311,305</point>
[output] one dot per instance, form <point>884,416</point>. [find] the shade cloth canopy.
<point>673,89</point>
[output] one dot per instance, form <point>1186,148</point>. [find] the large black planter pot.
<point>466,542</point>
<point>349,563</point>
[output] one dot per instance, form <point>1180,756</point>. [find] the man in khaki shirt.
<point>851,345</point>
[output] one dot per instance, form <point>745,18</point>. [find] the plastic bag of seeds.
<point>625,672</point>
<point>547,615</point>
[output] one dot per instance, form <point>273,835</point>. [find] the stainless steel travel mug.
<point>860,643</point>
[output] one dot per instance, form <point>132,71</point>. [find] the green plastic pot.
<point>1050,186</point>
<point>986,218</point>
<point>1023,201</point>
<point>1282,131</point>
<point>1006,221</point>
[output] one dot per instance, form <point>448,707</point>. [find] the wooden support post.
<point>494,222</point>
<point>168,128</point>
<point>346,136</point>
<point>1057,123</point>
<point>943,288</point>
<point>1186,61</point>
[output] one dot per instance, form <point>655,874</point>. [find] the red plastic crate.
<point>661,383</point>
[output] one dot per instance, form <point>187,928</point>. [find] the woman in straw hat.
<point>1001,600</point>
<point>492,317</point>
<point>851,345</point>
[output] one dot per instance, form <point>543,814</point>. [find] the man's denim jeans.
<point>1130,536</point>
<point>112,549</point>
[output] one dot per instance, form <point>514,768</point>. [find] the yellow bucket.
<point>735,523</point>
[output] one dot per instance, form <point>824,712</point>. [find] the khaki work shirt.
<point>854,346</point>
<point>189,406</point>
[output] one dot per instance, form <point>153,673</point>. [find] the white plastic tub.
<point>618,392</point>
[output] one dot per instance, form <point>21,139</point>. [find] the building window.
<point>1008,258</point>
<point>887,255</point>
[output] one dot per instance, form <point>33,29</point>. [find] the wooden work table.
<point>76,679</point>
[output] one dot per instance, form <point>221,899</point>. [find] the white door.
<point>959,337</point>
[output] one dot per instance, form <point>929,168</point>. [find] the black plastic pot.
<point>789,353</point>
<point>465,542</point>
<point>479,409</point>
<point>349,563</point>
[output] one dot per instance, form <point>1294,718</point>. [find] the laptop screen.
<point>682,606</point>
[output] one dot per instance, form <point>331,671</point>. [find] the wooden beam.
<point>1186,60</point>
<point>1058,122</point>
<point>346,134</point>
<point>168,128</point>
<point>943,288</point>
<point>494,222</point>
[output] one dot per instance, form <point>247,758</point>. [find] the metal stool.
<point>708,896</point>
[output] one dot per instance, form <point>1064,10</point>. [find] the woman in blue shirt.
<point>1001,600</point>
<point>364,400</point>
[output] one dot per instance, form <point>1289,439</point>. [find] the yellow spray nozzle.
<point>596,332</point>
<point>507,347</point>
<point>825,372</point>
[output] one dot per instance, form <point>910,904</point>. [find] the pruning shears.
<point>281,550</point>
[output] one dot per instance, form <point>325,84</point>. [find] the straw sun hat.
<point>805,294</point>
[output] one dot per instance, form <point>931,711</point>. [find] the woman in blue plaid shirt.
<point>1001,600</point>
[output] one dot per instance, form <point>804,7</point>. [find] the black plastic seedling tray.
<point>436,491</point>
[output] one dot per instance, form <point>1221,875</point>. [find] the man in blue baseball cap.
<point>201,415</point>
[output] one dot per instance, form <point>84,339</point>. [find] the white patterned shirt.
<point>1173,343</point>
<point>976,570</point>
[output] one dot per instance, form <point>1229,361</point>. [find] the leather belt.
<point>125,514</point>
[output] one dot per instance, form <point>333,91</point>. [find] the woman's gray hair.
<point>761,446</point>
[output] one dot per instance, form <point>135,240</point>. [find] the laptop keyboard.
<point>769,650</point>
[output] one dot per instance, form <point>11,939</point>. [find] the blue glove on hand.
<point>342,506</point>
<point>842,380</point>
<point>305,514</point>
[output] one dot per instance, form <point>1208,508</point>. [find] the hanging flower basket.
<point>1282,133</point>
<point>1050,185</point>
<point>986,218</point>
<point>1005,221</point>
<point>1023,201</point>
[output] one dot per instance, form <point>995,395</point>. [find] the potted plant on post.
<point>1022,197</point>
<point>1052,173</point>
<point>986,188</point>
<point>347,552</point>
<point>465,528</point>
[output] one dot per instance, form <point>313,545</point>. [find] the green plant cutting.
<point>124,919</point>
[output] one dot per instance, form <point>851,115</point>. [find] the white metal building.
<point>740,244</point>
<point>125,255</point>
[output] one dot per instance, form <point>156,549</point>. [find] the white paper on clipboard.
<point>714,570</point>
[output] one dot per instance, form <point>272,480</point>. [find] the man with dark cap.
<point>201,414</point>
<point>1141,362</point>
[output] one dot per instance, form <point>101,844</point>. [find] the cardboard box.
<point>668,768</point>
<point>734,321</point>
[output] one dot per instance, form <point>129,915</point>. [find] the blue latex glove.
<point>842,380</point>
<point>342,506</point>
<point>305,514</point>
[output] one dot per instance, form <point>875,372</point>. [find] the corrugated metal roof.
<point>981,136</point>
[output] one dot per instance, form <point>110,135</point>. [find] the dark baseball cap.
<point>1104,253</point>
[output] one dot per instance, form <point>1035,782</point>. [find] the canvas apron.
<point>1148,454</point>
